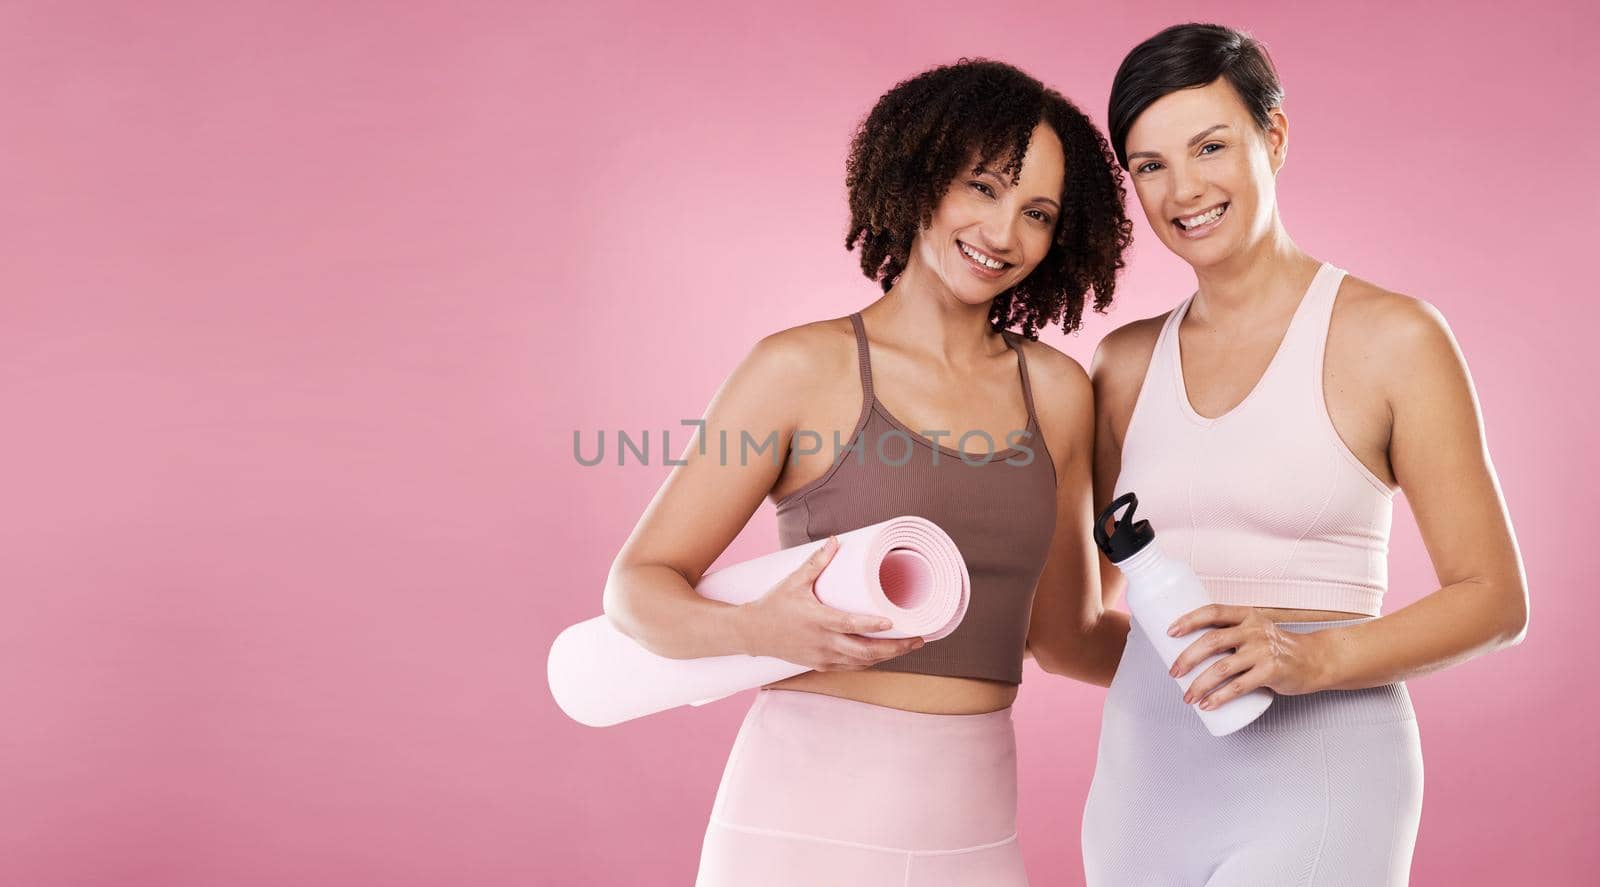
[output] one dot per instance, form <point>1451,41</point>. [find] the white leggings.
<point>1323,789</point>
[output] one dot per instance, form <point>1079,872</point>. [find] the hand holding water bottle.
<point>1246,651</point>
<point>1160,590</point>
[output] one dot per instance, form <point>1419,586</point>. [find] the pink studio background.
<point>301,304</point>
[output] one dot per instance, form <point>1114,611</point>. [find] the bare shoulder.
<point>1397,329</point>
<point>784,374</point>
<point>1121,360</point>
<point>803,361</point>
<point>1063,400</point>
<point>807,347</point>
<point>1126,350</point>
<point>1054,375</point>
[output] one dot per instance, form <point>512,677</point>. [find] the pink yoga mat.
<point>904,568</point>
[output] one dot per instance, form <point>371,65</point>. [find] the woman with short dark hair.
<point>1265,424</point>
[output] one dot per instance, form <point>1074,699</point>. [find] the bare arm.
<point>1117,372</point>
<point>1070,631</point>
<point>1437,451</point>
<point>1441,461</point>
<point>703,505</point>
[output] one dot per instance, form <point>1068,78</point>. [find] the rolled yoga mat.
<point>906,569</point>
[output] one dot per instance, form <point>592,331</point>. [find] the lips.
<point>1202,223</point>
<point>981,269</point>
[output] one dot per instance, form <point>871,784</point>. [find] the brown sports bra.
<point>998,505</point>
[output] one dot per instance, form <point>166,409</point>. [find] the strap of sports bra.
<point>863,357</point>
<point>1022,365</point>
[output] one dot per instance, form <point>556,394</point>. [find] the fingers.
<point>817,561</point>
<point>802,580</point>
<point>847,650</point>
<point>863,652</point>
<point>1219,673</point>
<point>853,623</point>
<point>1211,615</point>
<point>1235,688</point>
<point>1210,643</point>
<point>812,567</point>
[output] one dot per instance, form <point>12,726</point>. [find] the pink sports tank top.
<point>1265,502</point>
<point>997,505</point>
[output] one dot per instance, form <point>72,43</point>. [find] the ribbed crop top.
<point>1265,502</point>
<point>997,506</point>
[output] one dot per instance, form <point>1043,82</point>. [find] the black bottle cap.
<point>1129,538</point>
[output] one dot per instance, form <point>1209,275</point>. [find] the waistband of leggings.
<point>840,706</point>
<point>1151,693</point>
<point>877,848</point>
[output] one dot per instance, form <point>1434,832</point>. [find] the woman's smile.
<point>1202,223</point>
<point>982,264</point>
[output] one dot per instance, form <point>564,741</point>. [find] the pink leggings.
<point>823,790</point>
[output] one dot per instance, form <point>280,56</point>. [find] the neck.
<point>926,317</point>
<point>1269,272</point>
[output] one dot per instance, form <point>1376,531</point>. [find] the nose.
<point>998,232</point>
<point>1187,183</point>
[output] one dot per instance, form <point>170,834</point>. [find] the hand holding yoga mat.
<point>905,569</point>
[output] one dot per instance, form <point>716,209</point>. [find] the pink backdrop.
<point>302,304</point>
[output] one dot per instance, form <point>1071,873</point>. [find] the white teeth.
<point>981,259</point>
<point>1203,218</point>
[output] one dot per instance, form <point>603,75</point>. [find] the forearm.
<point>1102,648</point>
<point>1450,626</point>
<point>657,607</point>
<point>1092,654</point>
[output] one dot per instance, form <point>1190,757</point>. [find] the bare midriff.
<point>939,694</point>
<point>1280,614</point>
<point>929,694</point>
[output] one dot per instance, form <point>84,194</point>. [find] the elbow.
<point>1510,610</point>
<point>614,604</point>
<point>1043,650</point>
<point>1060,654</point>
<point>1056,666</point>
<point>1075,640</point>
<point>1515,625</point>
<point>1048,662</point>
<point>629,606</point>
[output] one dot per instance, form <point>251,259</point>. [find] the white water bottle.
<point>1160,589</point>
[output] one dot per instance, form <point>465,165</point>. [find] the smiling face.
<point>1205,172</point>
<point>987,235</point>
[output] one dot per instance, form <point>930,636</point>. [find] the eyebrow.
<point>1197,139</point>
<point>981,169</point>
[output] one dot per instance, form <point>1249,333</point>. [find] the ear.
<point>1277,137</point>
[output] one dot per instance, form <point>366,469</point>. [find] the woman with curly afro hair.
<point>981,202</point>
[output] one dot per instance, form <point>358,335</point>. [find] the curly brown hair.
<point>921,133</point>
